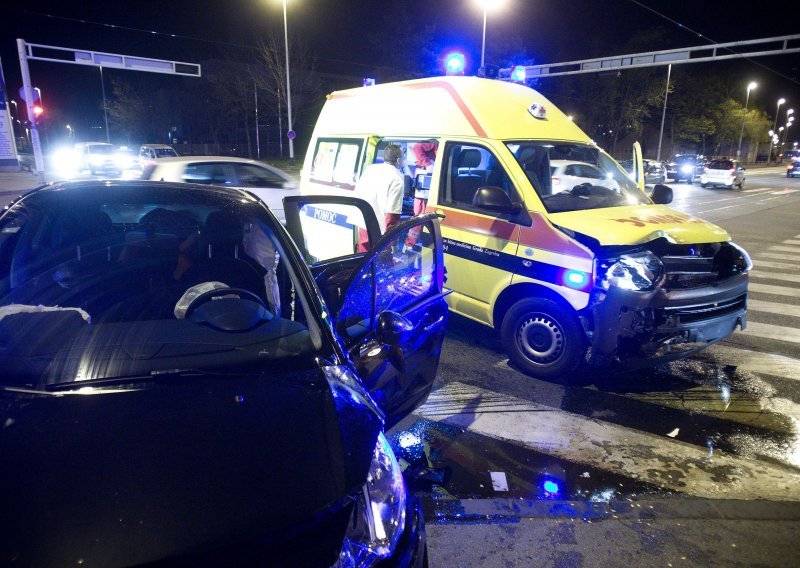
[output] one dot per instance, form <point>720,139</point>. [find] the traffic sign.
<point>35,94</point>
<point>291,135</point>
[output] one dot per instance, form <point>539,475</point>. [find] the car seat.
<point>466,179</point>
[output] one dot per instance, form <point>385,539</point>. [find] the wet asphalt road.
<point>692,463</point>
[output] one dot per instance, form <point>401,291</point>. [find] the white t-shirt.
<point>381,185</point>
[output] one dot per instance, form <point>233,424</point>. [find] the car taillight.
<point>556,181</point>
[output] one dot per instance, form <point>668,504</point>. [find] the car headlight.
<point>687,169</point>
<point>638,271</point>
<point>379,514</point>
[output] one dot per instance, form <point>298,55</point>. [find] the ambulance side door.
<point>483,212</point>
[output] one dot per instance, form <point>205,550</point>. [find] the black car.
<point>654,172</point>
<point>685,167</point>
<point>179,387</point>
<point>793,169</point>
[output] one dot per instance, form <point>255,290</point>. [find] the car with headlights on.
<point>269,183</point>
<point>96,157</point>
<point>727,173</point>
<point>181,386</point>
<point>793,169</point>
<point>686,167</point>
<point>654,171</point>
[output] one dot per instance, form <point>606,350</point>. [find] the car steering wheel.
<point>206,297</point>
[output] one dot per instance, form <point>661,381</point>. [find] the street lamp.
<point>16,109</point>
<point>750,87</point>
<point>288,89</point>
<point>487,5</point>
<point>774,125</point>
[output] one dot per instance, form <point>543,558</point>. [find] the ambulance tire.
<point>543,338</point>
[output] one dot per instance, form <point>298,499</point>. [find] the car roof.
<point>88,185</point>
<point>156,146</point>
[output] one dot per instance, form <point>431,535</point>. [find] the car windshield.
<point>101,149</point>
<point>165,153</point>
<point>572,177</point>
<point>685,159</point>
<point>140,280</point>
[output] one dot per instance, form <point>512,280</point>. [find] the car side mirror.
<point>662,194</point>
<point>392,327</point>
<point>495,199</point>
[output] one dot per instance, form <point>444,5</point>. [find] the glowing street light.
<point>750,87</point>
<point>290,132</point>
<point>487,5</point>
<point>774,125</point>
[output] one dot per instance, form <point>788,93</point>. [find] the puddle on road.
<point>467,460</point>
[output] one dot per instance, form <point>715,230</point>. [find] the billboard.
<point>8,146</point>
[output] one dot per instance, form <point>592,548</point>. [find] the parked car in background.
<point>566,174</point>
<point>270,184</point>
<point>96,157</point>
<point>127,159</point>
<point>654,171</point>
<point>178,388</point>
<point>793,169</point>
<point>150,153</point>
<point>728,173</point>
<point>685,167</point>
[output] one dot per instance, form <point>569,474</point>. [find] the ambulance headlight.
<point>637,271</point>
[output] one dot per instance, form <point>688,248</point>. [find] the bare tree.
<point>270,76</point>
<point>128,108</point>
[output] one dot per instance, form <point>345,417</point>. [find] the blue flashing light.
<point>454,63</point>
<point>576,279</point>
<point>551,487</point>
<point>518,74</point>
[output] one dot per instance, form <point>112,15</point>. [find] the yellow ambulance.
<point>547,239</point>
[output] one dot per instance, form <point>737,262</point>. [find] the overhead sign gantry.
<point>38,52</point>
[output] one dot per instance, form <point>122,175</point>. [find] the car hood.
<point>181,469</point>
<point>640,224</point>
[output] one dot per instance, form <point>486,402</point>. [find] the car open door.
<point>388,304</point>
<point>638,165</point>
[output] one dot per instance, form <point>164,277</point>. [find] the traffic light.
<point>37,111</point>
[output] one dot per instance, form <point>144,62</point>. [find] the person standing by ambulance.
<point>381,185</point>
<point>425,153</point>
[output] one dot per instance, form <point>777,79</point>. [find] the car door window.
<point>251,175</point>
<point>398,277</point>
<point>336,162</point>
<point>468,167</point>
<point>207,172</point>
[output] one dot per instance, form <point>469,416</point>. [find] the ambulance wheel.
<point>543,338</point>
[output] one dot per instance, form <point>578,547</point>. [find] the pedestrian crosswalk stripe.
<point>758,264</point>
<point>757,189</point>
<point>659,460</point>
<point>753,361</point>
<point>795,250</point>
<point>775,332</point>
<point>775,290</point>
<point>784,191</point>
<point>754,305</point>
<point>776,276</point>
<point>779,256</point>
<point>791,242</point>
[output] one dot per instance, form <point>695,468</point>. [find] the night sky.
<point>338,31</point>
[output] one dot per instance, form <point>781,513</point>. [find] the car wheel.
<point>704,185</point>
<point>543,338</point>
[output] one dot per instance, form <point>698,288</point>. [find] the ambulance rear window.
<point>336,162</point>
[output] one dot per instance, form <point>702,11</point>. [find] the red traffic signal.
<point>37,110</point>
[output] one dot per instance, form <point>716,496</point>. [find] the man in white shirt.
<point>381,185</point>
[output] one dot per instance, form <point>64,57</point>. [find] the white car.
<point>268,183</point>
<point>566,174</point>
<point>151,153</point>
<point>723,172</point>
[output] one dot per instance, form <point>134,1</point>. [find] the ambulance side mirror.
<point>495,199</point>
<point>662,194</point>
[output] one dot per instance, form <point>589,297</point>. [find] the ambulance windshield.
<point>572,177</point>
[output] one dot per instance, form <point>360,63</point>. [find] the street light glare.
<point>781,101</point>
<point>752,86</point>
<point>490,4</point>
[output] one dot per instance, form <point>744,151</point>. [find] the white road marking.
<point>624,451</point>
<point>753,361</point>
<point>773,308</point>
<point>775,290</point>
<point>776,276</point>
<point>758,264</point>
<point>795,250</point>
<point>769,331</point>
<point>791,242</point>
<point>757,189</point>
<point>779,256</point>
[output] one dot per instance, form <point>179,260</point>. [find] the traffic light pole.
<point>29,102</point>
